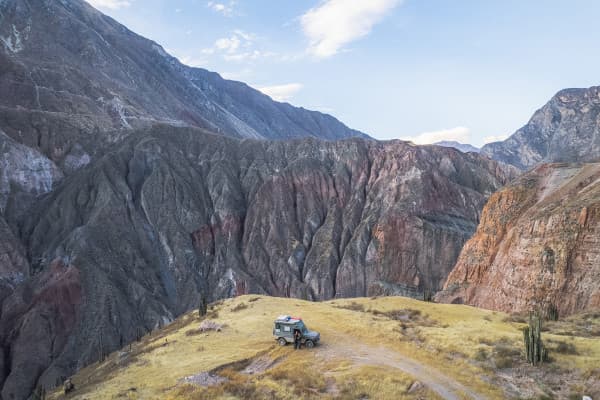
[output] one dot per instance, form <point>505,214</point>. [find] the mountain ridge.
<point>565,129</point>
<point>72,71</point>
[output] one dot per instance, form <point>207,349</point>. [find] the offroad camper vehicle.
<point>285,326</point>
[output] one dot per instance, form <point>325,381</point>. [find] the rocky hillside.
<point>74,80</point>
<point>171,215</point>
<point>536,245</point>
<point>566,129</point>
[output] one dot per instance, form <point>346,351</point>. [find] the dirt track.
<point>363,354</point>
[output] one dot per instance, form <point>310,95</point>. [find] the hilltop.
<point>384,348</point>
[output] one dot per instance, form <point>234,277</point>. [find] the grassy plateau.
<point>371,348</point>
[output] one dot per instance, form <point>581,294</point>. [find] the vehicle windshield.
<point>302,327</point>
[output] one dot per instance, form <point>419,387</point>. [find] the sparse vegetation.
<point>481,355</point>
<point>203,307</point>
<point>253,299</point>
<point>519,318</point>
<point>551,312</point>
<point>354,306</point>
<point>462,342</point>
<point>239,307</point>
<point>563,347</point>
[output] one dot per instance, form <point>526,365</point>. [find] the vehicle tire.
<point>309,344</point>
<point>281,341</point>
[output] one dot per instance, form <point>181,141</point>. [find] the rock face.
<point>74,80</point>
<point>25,174</point>
<point>537,245</point>
<point>136,237</point>
<point>14,267</point>
<point>566,129</point>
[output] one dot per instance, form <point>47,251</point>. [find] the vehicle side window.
<point>286,328</point>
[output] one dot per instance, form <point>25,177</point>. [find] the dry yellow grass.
<point>444,337</point>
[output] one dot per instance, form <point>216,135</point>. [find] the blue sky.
<point>471,70</point>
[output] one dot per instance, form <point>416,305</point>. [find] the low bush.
<point>503,362</point>
<point>354,306</point>
<point>565,348</point>
<point>481,355</point>
<point>239,307</point>
<point>205,326</point>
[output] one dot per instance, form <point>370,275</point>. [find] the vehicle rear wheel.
<point>309,344</point>
<point>281,341</point>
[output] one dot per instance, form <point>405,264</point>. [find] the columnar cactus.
<point>535,350</point>
<point>552,312</point>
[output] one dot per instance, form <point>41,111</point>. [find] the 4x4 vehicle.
<point>285,326</point>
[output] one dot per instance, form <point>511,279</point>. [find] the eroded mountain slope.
<point>173,214</point>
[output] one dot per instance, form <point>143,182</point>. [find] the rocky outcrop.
<point>25,174</point>
<point>171,215</point>
<point>537,245</point>
<point>74,80</point>
<point>566,129</point>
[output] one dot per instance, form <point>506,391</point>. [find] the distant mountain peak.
<point>464,147</point>
<point>565,129</point>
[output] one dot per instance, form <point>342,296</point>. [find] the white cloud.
<point>230,44</point>
<point>460,134</point>
<point>281,92</point>
<point>111,4</point>
<point>222,8</point>
<point>238,47</point>
<point>248,55</point>
<point>335,23</point>
<point>497,138</point>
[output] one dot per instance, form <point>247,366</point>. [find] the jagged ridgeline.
<point>566,129</point>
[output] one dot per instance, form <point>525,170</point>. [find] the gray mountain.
<point>566,129</point>
<point>74,80</point>
<point>465,148</point>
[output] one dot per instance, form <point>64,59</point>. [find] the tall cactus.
<point>203,306</point>
<point>552,312</point>
<point>535,350</point>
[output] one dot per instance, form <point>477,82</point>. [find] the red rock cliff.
<point>537,244</point>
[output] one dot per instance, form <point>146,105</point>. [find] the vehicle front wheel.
<point>281,341</point>
<point>309,344</point>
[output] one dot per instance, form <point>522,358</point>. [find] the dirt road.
<point>363,354</point>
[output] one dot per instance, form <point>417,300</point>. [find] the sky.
<point>423,70</point>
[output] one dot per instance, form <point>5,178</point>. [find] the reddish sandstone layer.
<point>537,244</point>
